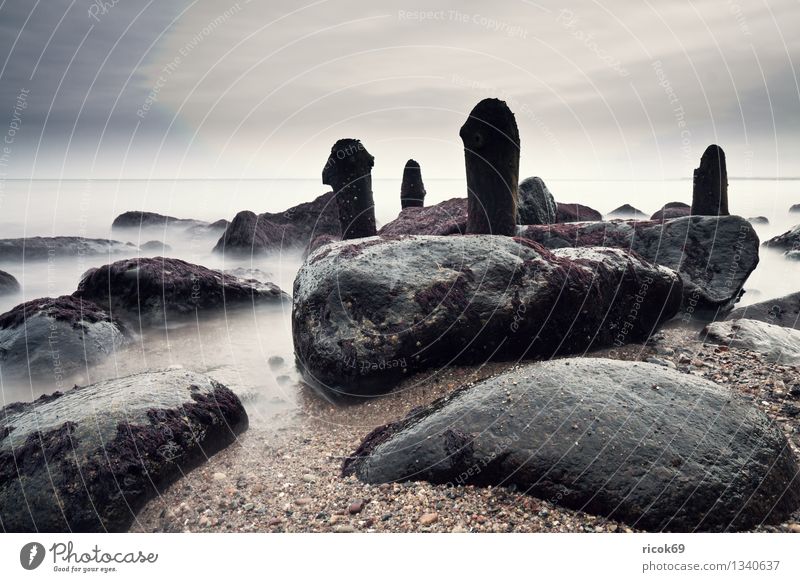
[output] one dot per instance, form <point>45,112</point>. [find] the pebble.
<point>303,501</point>
<point>428,518</point>
<point>356,507</point>
<point>309,478</point>
<point>219,476</point>
<point>344,528</point>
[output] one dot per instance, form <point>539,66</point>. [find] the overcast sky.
<point>611,89</point>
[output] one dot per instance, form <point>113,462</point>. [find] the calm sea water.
<point>234,348</point>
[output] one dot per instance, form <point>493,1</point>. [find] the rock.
<point>627,211</point>
<point>275,362</point>
<point>794,208</point>
<point>655,448</point>
<point>446,218</point>
<point>710,187</point>
<point>412,190</point>
<point>57,337</point>
<point>536,204</point>
<point>491,153</point>
<point>792,255</point>
<point>428,518</point>
<point>251,234</point>
<point>8,284</point>
<point>250,274</point>
<point>219,476</point>
<point>53,247</point>
<point>356,507</point>
<point>672,210</point>
<point>88,459</point>
<point>576,213</point>
<point>783,311</point>
<point>150,288</point>
<point>661,362</point>
<point>155,246</point>
<point>366,313</point>
<point>758,220</point>
<point>774,342</point>
<point>140,219</point>
<point>348,171</point>
<point>714,255</point>
<point>788,241</point>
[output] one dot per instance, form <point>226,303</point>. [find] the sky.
<point>226,89</point>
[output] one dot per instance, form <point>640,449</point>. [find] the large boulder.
<point>148,289</point>
<point>788,241</point>
<point>714,255</point>
<point>150,220</point>
<point>155,246</point>
<point>783,311</point>
<point>570,212</point>
<point>53,247</point>
<point>536,204</point>
<point>776,343</point>
<point>652,447</point>
<point>368,312</point>
<point>627,211</point>
<point>57,337</point>
<point>293,229</point>
<point>445,218</point>
<point>672,210</point>
<point>8,284</point>
<point>87,460</point>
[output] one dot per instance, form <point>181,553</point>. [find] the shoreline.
<point>286,478</point>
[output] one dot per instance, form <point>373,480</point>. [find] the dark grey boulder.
<point>792,255</point>
<point>39,248</point>
<point>87,460</point>
<point>788,241</point>
<point>758,220</point>
<point>292,229</point>
<point>640,443</point>
<point>776,343</point>
<point>57,338</point>
<point>627,211</point>
<point>794,208</point>
<point>536,204</point>
<point>446,218</point>
<point>8,284</point>
<point>714,255</point>
<point>672,210</point>
<point>368,312</point>
<point>570,212</point>
<point>412,189</point>
<point>151,220</point>
<point>783,311</point>
<point>148,289</point>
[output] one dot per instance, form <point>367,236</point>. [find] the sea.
<point>235,348</point>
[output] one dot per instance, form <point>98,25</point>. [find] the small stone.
<point>274,521</point>
<point>309,478</point>
<point>275,362</point>
<point>219,476</point>
<point>428,518</point>
<point>344,528</point>
<point>356,507</point>
<point>794,527</point>
<point>248,506</point>
<point>205,521</point>
<point>303,501</point>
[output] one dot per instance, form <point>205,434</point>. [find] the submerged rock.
<point>714,255</point>
<point>368,312</point>
<point>148,220</point>
<point>672,210</point>
<point>250,234</point>
<point>640,443</point>
<point>794,208</point>
<point>783,311</point>
<point>39,248</point>
<point>758,220</point>
<point>56,338</point>
<point>710,186</point>
<point>536,203</point>
<point>576,213</point>
<point>446,218</point>
<point>155,246</point>
<point>88,459</point>
<point>627,211</point>
<point>792,255</point>
<point>776,343</point>
<point>788,241</point>
<point>8,284</point>
<point>151,288</point>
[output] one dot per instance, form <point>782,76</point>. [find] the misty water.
<point>235,347</point>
